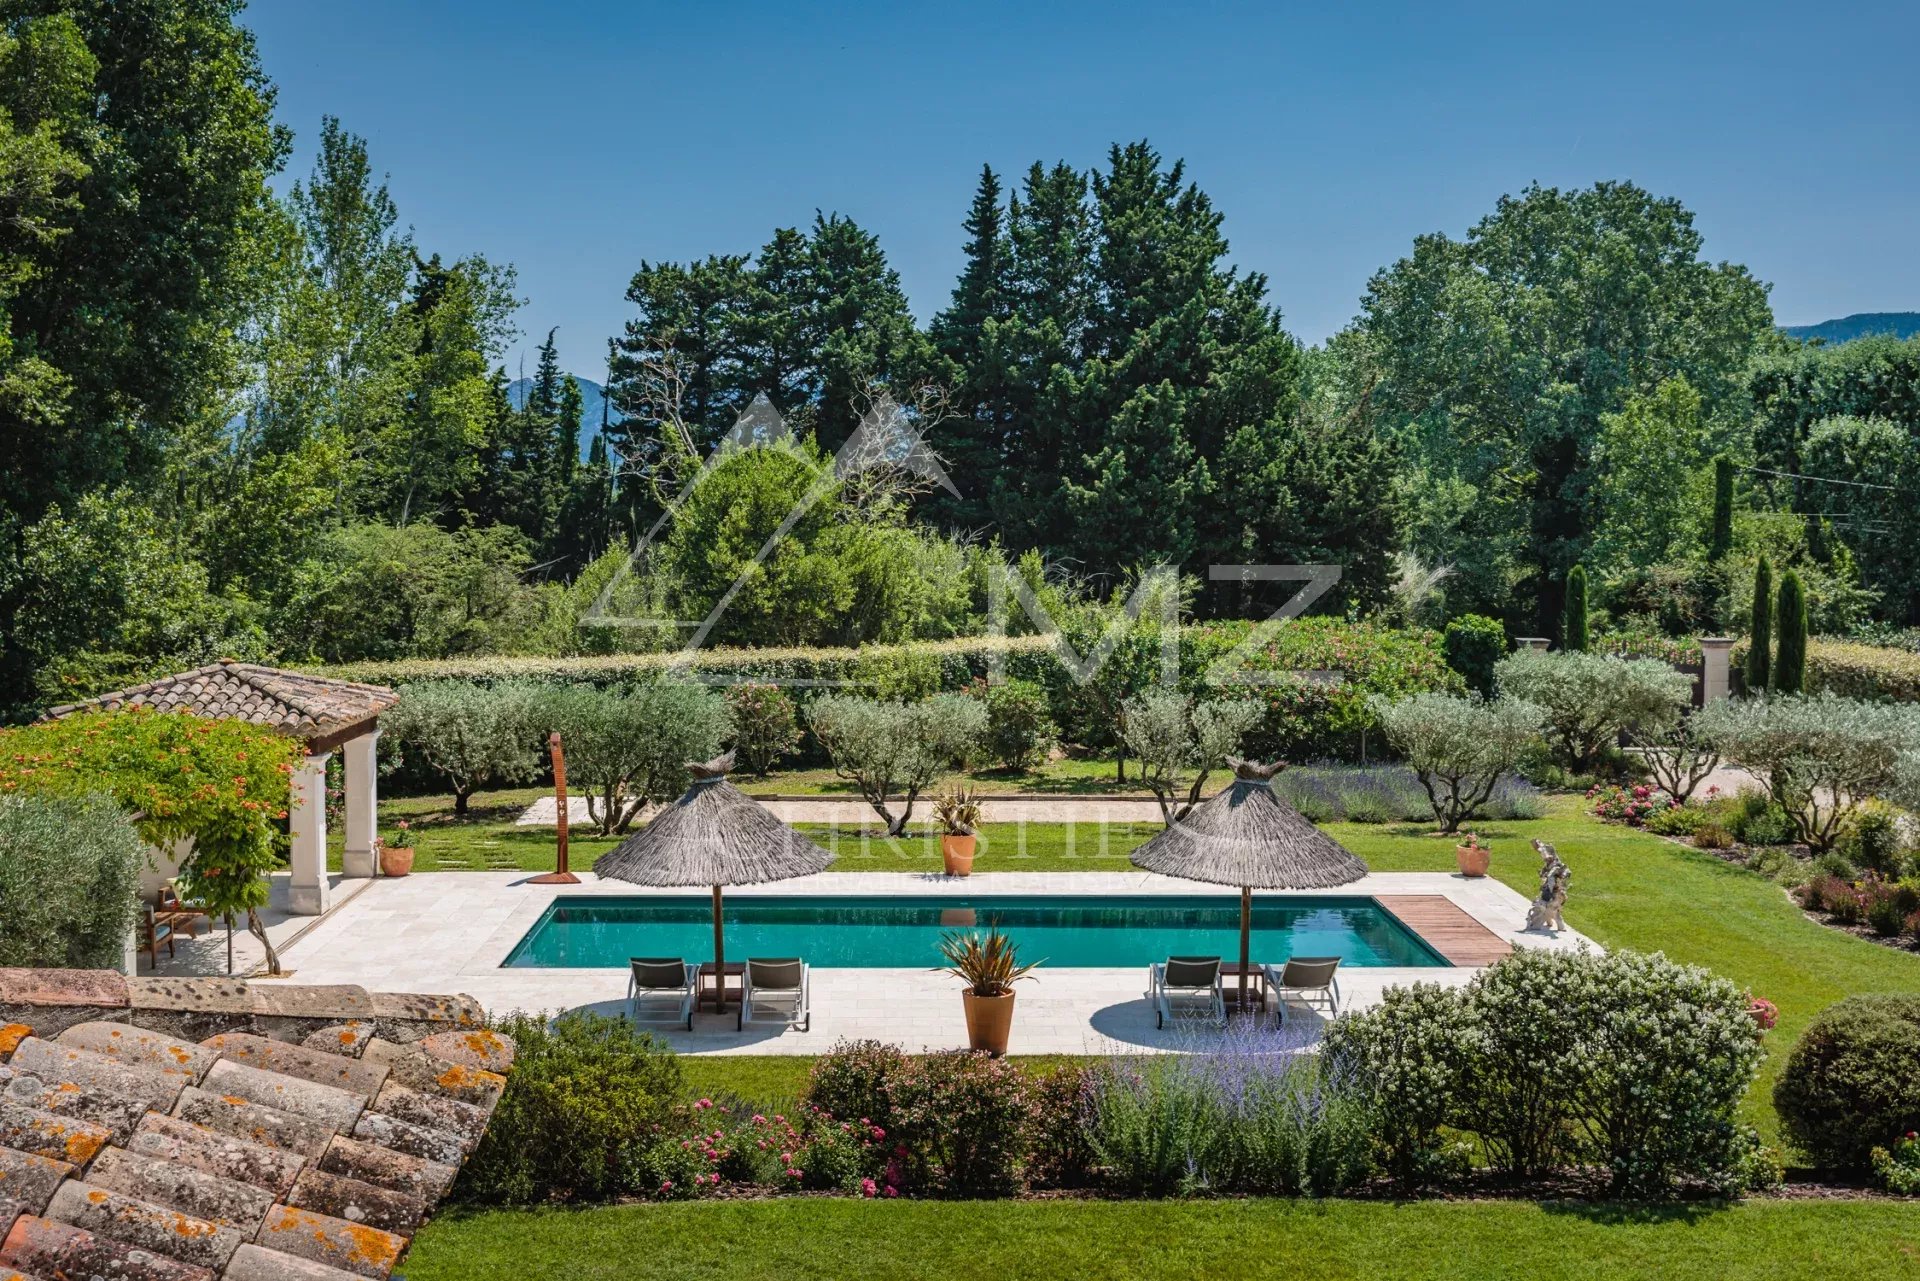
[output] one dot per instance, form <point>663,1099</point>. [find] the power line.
<point>1824,480</point>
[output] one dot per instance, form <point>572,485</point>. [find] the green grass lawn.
<point>801,1239</point>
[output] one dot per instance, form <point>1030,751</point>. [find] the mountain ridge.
<point>1862,324</point>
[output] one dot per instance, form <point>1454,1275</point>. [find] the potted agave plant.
<point>958,814</point>
<point>396,855</point>
<point>1473,855</point>
<point>989,964</point>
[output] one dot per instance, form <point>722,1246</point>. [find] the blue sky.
<point>575,139</point>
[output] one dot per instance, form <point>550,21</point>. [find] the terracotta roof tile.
<point>298,702</point>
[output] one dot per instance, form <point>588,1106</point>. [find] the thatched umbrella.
<point>715,835</point>
<point>1248,836</point>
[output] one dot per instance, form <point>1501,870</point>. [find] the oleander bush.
<point>588,1098</point>
<point>1849,1084</point>
<point>1020,729</point>
<point>69,881</point>
<point>765,724</point>
<point>962,1121</point>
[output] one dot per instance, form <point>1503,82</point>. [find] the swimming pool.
<point>867,932</point>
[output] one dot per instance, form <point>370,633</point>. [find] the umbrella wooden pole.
<point>1246,940</point>
<point>719,959</point>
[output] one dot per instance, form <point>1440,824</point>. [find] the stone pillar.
<point>363,804</point>
<point>1715,654</point>
<point>1531,642</point>
<point>311,893</point>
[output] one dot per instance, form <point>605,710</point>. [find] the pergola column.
<point>363,804</point>
<point>311,893</point>
<point>1715,652</point>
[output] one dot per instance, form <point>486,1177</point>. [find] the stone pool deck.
<point>448,932</point>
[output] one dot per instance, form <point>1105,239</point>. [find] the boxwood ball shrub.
<point>69,881</point>
<point>1851,1082</point>
<point>587,1097</point>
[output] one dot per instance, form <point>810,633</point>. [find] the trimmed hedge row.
<point>1853,669</point>
<point>955,662</point>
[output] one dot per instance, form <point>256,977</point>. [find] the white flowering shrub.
<point>1622,1061</point>
<point>1410,1057</point>
<point>1590,699</point>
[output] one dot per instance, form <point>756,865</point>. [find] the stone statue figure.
<point>1544,916</point>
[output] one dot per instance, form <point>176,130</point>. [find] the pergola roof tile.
<point>298,703</point>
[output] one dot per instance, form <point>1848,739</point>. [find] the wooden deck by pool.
<point>1446,928</point>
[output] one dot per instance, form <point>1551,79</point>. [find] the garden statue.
<point>1544,915</point>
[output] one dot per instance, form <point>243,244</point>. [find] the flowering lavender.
<point>1333,793</point>
<point>1251,1109</point>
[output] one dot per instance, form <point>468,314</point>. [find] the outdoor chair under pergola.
<point>1247,836</point>
<point>715,835</point>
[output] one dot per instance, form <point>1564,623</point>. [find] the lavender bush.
<point>1389,794</point>
<point>1250,1111</point>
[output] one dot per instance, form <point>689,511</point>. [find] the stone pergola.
<point>327,715</point>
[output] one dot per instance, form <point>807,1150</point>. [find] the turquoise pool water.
<point>857,932</point>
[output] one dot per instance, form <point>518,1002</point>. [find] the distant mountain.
<point>1901,324</point>
<point>592,397</point>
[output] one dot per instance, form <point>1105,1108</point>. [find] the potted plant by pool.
<point>1472,855</point>
<point>958,814</point>
<point>989,964</point>
<point>396,855</point>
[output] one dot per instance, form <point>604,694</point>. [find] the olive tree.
<point>1170,733</point>
<point>1819,756</point>
<point>1589,700</point>
<point>892,751</point>
<point>1458,747</point>
<point>476,735</point>
<point>69,881</point>
<point>626,748</point>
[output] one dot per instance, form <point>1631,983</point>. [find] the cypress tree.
<point>1790,663</point>
<point>1574,633</point>
<point>566,431</point>
<point>1760,634</point>
<point>1720,536</point>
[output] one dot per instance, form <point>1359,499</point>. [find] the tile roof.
<point>297,703</point>
<point>130,1151</point>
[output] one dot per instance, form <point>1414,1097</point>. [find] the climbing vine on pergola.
<point>221,784</point>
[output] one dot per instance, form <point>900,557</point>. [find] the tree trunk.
<point>257,928</point>
<point>460,797</point>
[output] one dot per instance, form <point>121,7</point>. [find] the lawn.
<point>799,1239</point>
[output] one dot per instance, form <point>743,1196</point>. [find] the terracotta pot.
<point>989,1022</point>
<point>396,862</point>
<point>957,853</point>
<point>1472,859</point>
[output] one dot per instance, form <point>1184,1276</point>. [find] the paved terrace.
<point>449,932</point>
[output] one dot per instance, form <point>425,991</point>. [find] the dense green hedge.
<point>69,881</point>
<point>1852,669</point>
<point>939,664</point>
